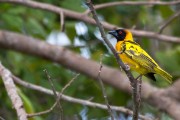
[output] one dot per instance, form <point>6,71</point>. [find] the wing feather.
<point>137,54</point>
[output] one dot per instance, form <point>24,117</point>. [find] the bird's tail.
<point>164,74</point>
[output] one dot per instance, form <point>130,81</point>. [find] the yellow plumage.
<point>135,57</point>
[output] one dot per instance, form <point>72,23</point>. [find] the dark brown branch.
<point>121,64</point>
<point>85,18</point>
<point>112,4</point>
<point>73,61</point>
<point>12,92</point>
<point>139,79</point>
<point>75,100</point>
<point>168,21</point>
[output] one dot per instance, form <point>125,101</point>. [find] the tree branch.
<point>74,100</point>
<point>87,19</point>
<point>12,92</point>
<point>58,99</point>
<point>168,21</point>
<point>121,64</point>
<point>74,61</point>
<point>103,89</point>
<point>56,96</point>
<point>132,3</point>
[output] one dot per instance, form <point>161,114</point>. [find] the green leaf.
<point>165,11</point>
<point>34,27</point>
<point>28,105</point>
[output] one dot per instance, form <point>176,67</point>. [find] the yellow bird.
<point>135,57</point>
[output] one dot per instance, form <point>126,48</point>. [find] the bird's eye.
<point>120,32</point>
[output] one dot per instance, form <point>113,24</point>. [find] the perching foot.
<point>127,66</point>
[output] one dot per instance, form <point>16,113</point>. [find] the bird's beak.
<point>113,32</point>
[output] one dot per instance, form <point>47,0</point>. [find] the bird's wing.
<point>137,54</point>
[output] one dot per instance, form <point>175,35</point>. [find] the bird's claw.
<point>127,67</point>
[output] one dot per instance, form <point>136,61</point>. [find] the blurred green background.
<point>83,39</point>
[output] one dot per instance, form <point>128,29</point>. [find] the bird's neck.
<point>119,46</point>
<point>128,37</point>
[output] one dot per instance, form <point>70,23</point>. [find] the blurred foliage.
<point>39,24</point>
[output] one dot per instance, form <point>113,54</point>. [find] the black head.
<point>119,34</point>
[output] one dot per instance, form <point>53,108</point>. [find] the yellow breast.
<point>127,60</point>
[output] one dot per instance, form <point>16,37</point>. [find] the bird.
<point>135,57</point>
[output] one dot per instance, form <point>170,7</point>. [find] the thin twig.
<point>51,82</point>
<point>42,113</point>
<point>168,21</point>
<point>62,21</point>
<point>103,89</point>
<point>75,100</point>
<point>54,91</point>
<point>57,100</point>
<point>112,4</point>
<point>12,92</point>
<point>67,85</point>
<point>128,73</point>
